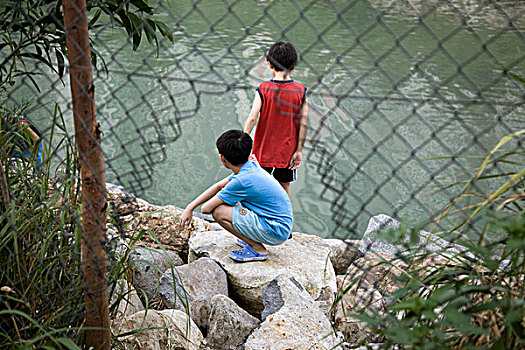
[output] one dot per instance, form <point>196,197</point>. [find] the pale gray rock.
<point>342,254</point>
<point>127,303</point>
<point>293,320</point>
<point>176,331</point>
<point>148,265</point>
<point>229,325</point>
<point>193,285</point>
<point>305,257</point>
<point>429,242</point>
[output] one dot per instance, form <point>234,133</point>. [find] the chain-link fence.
<point>415,112</point>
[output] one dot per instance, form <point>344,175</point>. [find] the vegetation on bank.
<point>40,276</point>
<point>474,298</point>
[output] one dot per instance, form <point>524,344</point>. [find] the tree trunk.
<point>87,134</point>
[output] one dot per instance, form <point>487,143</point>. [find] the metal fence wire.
<point>406,100</point>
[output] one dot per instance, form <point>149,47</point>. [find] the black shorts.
<point>281,174</point>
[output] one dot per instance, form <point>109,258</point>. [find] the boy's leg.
<point>286,186</point>
<point>223,215</point>
<point>285,177</point>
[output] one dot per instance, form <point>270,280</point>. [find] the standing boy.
<point>250,203</point>
<point>281,106</point>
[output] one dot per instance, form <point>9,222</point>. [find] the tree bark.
<point>94,204</point>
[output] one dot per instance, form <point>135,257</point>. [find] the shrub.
<point>473,298</point>
<point>40,275</point>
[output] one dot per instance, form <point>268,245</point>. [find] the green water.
<point>161,115</point>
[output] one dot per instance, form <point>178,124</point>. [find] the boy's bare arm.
<point>213,203</point>
<point>297,157</point>
<point>187,215</point>
<point>254,113</point>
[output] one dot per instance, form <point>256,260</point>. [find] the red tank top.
<point>277,130</point>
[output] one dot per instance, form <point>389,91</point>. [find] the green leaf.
<point>95,17</point>
<point>401,334</point>
<point>60,63</point>
<point>461,321</point>
<point>38,58</point>
<point>491,305</point>
<point>136,21</point>
<point>126,22</point>
<point>442,294</point>
<point>164,30</point>
<point>513,316</point>
<point>413,304</point>
<point>137,29</point>
<point>149,29</point>
<point>68,343</point>
<point>143,6</point>
<point>517,77</point>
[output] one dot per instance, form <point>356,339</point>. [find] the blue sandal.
<point>247,254</point>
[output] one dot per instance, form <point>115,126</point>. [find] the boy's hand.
<point>186,218</point>
<point>295,162</point>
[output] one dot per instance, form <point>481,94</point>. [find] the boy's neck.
<point>281,75</point>
<point>235,168</point>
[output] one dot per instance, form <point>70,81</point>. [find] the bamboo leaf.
<point>142,5</point>
<point>95,17</point>
<point>517,77</point>
<point>164,30</point>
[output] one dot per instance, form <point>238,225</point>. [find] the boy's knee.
<point>220,213</point>
<point>216,215</point>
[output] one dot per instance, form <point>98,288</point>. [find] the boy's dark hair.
<point>282,56</point>
<point>235,146</point>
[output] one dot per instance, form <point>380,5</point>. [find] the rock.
<point>134,215</point>
<point>176,331</point>
<point>148,265</point>
<point>342,254</point>
<point>372,243</point>
<point>116,248</point>
<point>305,257</point>
<point>195,284</point>
<point>229,325</point>
<point>292,320</point>
<point>375,346</point>
<point>127,300</point>
<point>368,280</point>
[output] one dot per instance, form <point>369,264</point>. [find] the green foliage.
<point>39,244</point>
<point>33,31</point>
<point>471,299</point>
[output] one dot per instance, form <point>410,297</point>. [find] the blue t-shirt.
<point>261,193</point>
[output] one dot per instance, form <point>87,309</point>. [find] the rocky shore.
<point>184,292</point>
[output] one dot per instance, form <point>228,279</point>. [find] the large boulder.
<point>365,289</point>
<point>148,265</point>
<point>375,242</point>
<point>160,330</point>
<point>342,253</point>
<point>305,257</point>
<point>161,223</point>
<point>193,286</point>
<point>292,320</point>
<point>229,325</point>
<point>126,302</point>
